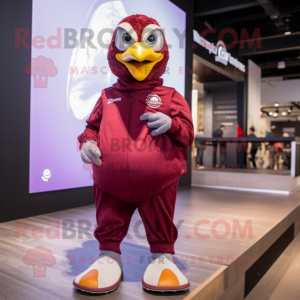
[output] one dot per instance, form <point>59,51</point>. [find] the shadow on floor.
<point>135,260</point>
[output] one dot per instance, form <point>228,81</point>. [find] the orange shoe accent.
<point>90,279</point>
<point>168,278</point>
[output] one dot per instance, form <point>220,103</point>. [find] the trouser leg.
<point>157,214</point>
<point>271,159</point>
<point>288,158</point>
<point>253,154</point>
<point>201,156</point>
<point>277,161</point>
<point>223,156</point>
<point>113,219</point>
<point>198,156</point>
<point>215,155</point>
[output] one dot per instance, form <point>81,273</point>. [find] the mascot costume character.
<point>136,138</point>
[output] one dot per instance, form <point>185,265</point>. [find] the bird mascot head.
<point>138,50</point>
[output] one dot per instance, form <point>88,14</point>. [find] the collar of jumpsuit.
<point>128,86</point>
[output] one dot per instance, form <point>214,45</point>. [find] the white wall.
<point>280,91</point>
<point>254,96</point>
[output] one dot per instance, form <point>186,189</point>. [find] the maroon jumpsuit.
<point>138,170</point>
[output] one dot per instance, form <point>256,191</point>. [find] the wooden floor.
<point>211,264</point>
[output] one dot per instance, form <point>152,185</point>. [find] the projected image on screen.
<point>68,71</point>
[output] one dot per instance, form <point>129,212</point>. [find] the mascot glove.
<point>90,153</point>
<point>161,122</point>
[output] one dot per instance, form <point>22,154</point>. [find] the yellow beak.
<point>139,58</point>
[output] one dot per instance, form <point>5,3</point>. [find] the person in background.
<point>252,147</point>
<point>272,150</point>
<point>278,153</point>
<point>286,153</point>
<point>218,133</point>
<point>239,134</point>
<point>239,130</point>
<point>200,149</point>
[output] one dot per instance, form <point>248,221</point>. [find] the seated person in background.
<point>286,153</point>
<point>200,149</point>
<point>218,133</point>
<point>252,147</point>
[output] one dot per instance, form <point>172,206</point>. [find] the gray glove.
<point>90,153</point>
<point>159,121</point>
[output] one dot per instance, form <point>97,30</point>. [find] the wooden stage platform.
<point>224,247</point>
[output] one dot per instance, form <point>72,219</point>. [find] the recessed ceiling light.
<point>284,113</point>
<point>275,114</point>
<point>276,104</point>
<point>281,65</point>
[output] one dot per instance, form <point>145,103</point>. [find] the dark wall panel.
<point>225,110</point>
<point>224,97</point>
<point>188,7</point>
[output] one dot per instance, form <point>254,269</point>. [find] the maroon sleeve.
<point>182,129</point>
<point>93,124</point>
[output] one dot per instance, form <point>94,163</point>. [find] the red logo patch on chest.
<point>153,101</point>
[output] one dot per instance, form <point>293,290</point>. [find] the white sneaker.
<point>163,275</point>
<point>103,276</point>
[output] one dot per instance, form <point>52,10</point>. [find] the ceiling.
<point>285,110</point>
<point>270,19</point>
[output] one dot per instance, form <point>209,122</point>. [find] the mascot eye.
<point>155,40</point>
<point>123,39</point>
<point>127,39</point>
<point>151,39</point>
